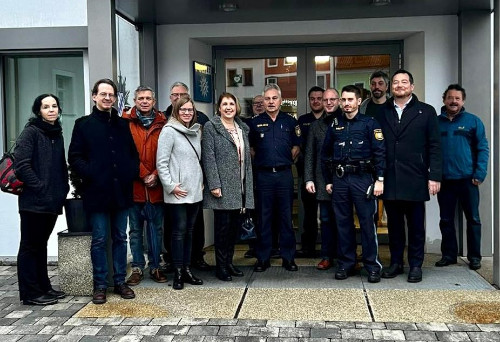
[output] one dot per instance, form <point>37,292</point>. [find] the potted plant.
<point>76,217</point>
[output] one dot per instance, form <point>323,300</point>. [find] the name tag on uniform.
<point>262,125</point>
<point>339,128</point>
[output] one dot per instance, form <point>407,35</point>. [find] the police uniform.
<point>353,153</point>
<point>272,142</point>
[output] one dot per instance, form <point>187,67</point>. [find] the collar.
<point>406,103</point>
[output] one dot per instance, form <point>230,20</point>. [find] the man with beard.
<point>314,181</point>
<point>309,202</point>
<point>413,172</point>
<point>379,85</point>
<point>465,162</point>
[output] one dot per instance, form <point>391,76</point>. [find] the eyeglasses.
<point>331,99</point>
<point>178,94</point>
<point>104,95</point>
<point>258,103</point>
<point>186,110</point>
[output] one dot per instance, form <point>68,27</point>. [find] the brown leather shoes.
<point>158,276</point>
<point>136,277</point>
<point>124,291</point>
<point>324,265</point>
<point>99,296</point>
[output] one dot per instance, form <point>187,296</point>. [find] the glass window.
<point>26,77</point>
<point>248,77</point>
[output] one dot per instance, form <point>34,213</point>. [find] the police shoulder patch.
<point>297,131</point>
<point>378,134</point>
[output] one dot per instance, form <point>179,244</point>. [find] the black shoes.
<point>189,278</point>
<point>374,277</point>
<point>475,264</point>
<point>393,271</point>
<point>222,273</point>
<point>124,291</point>
<point>445,262</point>
<point>261,266</point>
<point>45,299</point>
<point>342,273</point>
<point>200,265</point>
<point>178,283</point>
<point>415,275</point>
<point>99,296</point>
<point>235,272</point>
<point>56,294</point>
<point>289,265</point>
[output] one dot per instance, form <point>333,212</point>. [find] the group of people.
<point>158,170</point>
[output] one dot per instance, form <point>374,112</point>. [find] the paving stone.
<point>35,338</point>
<point>370,325</point>
<point>282,339</point>
<point>26,329</point>
<point>420,335</point>
<point>65,338</point>
<point>401,326</point>
<point>26,321</point>
<point>360,334</point>
<point>250,339</point>
<point>165,321</point>
<point>489,327</point>
<point>462,327</point>
<point>174,330</point>
<point>85,330</point>
<point>108,321</point>
<point>188,338</point>
<point>314,339</point>
<point>233,331</point>
<point>55,330</point>
<point>451,336</point>
<point>222,321</point>
<point>193,321</point>
<point>7,321</point>
<point>79,321</point>
<point>112,330</point>
<point>206,330</point>
<point>252,322</point>
<point>136,321</point>
<point>326,333</point>
<point>58,306</point>
<point>40,314</point>
<point>487,336</point>
<point>11,338</point>
<point>433,326</point>
<point>18,314</point>
<point>65,313</point>
<point>295,332</point>
<point>340,325</point>
<point>264,331</point>
<point>309,324</point>
<point>95,339</point>
<point>4,329</point>
<point>383,334</point>
<point>158,338</point>
<point>127,338</point>
<point>149,330</point>
<point>280,324</point>
<point>218,339</point>
<point>51,320</point>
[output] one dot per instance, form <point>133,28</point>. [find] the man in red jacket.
<point>145,125</point>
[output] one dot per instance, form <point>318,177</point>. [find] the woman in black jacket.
<point>41,164</point>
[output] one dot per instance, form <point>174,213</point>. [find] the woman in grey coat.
<point>179,170</point>
<point>229,184</point>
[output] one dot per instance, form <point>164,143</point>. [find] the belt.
<point>342,169</point>
<point>274,169</point>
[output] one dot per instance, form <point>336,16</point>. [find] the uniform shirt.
<point>352,140</point>
<point>465,148</point>
<point>273,141</point>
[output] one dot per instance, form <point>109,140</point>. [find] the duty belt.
<point>342,169</point>
<point>274,169</point>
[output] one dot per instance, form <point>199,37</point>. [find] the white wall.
<point>430,45</point>
<point>47,13</point>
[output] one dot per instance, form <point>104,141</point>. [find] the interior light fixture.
<point>380,2</point>
<point>228,6</point>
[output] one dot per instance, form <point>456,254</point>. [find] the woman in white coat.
<point>179,170</point>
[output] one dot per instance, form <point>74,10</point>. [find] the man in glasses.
<point>177,90</point>
<point>102,152</point>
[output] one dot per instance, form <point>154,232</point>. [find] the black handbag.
<point>247,230</point>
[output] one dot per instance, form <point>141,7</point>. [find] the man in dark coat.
<point>413,172</point>
<point>102,152</point>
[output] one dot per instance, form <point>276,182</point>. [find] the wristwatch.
<point>380,179</point>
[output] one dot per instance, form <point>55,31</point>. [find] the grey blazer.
<point>220,164</point>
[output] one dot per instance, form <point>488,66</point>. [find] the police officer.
<point>274,140</point>
<point>353,154</point>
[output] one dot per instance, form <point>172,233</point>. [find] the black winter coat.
<point>102,152</point>
<point>413,150</point>
<point>40,163</point>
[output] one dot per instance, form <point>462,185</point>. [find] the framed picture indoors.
<point>202,82</point>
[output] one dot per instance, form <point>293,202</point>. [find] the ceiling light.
<point>228,7</point>
<point>380,2</point>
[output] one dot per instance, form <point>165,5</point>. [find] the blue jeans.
<point>114,222</point>
<point>328,230</point>
<point>153,218</point>
<point>182,220</point>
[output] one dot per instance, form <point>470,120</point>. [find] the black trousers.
<point>226,227</point>
<point>310,223</point>
<point>183,219</point>
<point>32,274</point>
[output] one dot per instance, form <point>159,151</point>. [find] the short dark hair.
<point>95,88</point>
<point>457,87</point>
<point>37,104</point>
<point>352,89</point>
<point>181,102</point>
<point>380,73</point>
<point>403,71</point>
<point>231,96</point>
<point>315,88</point>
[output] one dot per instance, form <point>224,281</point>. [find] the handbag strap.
<point>190,143</point>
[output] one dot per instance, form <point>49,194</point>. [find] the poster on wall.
<point>202,82</point>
